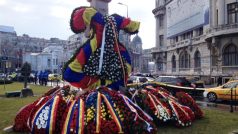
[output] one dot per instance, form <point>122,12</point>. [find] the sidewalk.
<point>211,86</point>
<point>51,84</point>
<point>224,107</point>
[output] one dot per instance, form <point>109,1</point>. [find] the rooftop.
<point>7,29</point>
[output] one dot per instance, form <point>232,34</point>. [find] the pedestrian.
<point>35,79</point>
<point>219,81</point>
<point>41,78</point>
<point>45,78</point>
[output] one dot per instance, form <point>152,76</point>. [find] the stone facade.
<point>135,51</point>
<point>74,42</point>
<point>208,50</point>
<point>147,61</point>
<point>14,47</point>
<point>134,47</point>
<point>50,59</point>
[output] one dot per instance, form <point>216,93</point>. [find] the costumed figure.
<point>98,68</point>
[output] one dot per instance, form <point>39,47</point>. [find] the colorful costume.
<point>102,65</point>
<point>102,60</point>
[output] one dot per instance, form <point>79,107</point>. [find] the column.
<point>213,13</point>
<point>221,12</point>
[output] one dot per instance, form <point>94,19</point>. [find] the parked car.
<point>222,92</point>
<point>174,80</point>
<point>139,79</point>
<point>196,82</point>
<point>150,79</point>
<point>2,75</point>
<point>54,77</point>
<point>12,75</point>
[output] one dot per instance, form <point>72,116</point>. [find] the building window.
<point>230,55</point>
<point>199,31</point>
<point>197,60</point>
<point>189,35</point>
<point>173,63</point>
<point>56,61</point>
<point>160,64</point>
<point>176,39</point>
<point>172,41</point>
<point>184,60</point>
<point>161,40</point>
<point>161,21</point>
<point>214,56</point>
<point>232,10</point>
<point>48,62</point>
<point>53,61</point>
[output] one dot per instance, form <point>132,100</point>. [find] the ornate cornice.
<point>100,0</point>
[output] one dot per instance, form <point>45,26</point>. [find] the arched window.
<point>160,64</point>
<point>230,55</point>
<point>197,60</point>
<point>173,63</point>
<point>184,60</point>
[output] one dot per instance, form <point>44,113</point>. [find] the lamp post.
<point>126,8</point>
<point>127,41</point>
<point>231,102</point>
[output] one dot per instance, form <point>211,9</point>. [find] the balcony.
<point>180,44</point>
<point>222,30</point>
<point>187,42</point>
<point>198,39</point>
<point>159,49</point>
<point>159,11</point>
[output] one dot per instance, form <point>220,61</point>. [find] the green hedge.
<point>6,82</point>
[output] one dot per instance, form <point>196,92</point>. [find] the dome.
<point>136,40</point>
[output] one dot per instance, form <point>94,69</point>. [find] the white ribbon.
<point>102,50</point>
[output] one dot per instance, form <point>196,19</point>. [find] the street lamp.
<point>127,38</point>
<point>126,8</point>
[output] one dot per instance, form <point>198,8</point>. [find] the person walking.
<point>219,81</point>
<point>35,78</point>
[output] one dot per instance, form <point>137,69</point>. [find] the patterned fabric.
<point>82,70</point>
<point>111,67</point>
<point>44,115</point>
<point>104,111</point>
<point>163,107</point>
<point>101,111</point>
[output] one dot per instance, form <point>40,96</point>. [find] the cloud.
<point>139,10</point>
<point>3,2</point>
<point>23,8</point>
<point>60,12</point>
<point>50,18</point>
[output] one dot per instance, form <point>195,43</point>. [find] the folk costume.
<point>102,60</point>
<point>100,67</point>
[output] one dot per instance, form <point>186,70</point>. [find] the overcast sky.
<point>50,18</point>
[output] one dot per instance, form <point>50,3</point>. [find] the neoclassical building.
<point>196,38</point>
<point>147,61</point>
<point>135,51</point>
<point>51,59</point>
<point>13,47</point>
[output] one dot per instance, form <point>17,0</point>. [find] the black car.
<point>173,80</point>
<point>196,82</point>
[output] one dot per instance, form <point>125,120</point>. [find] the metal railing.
<point>187,42</point>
